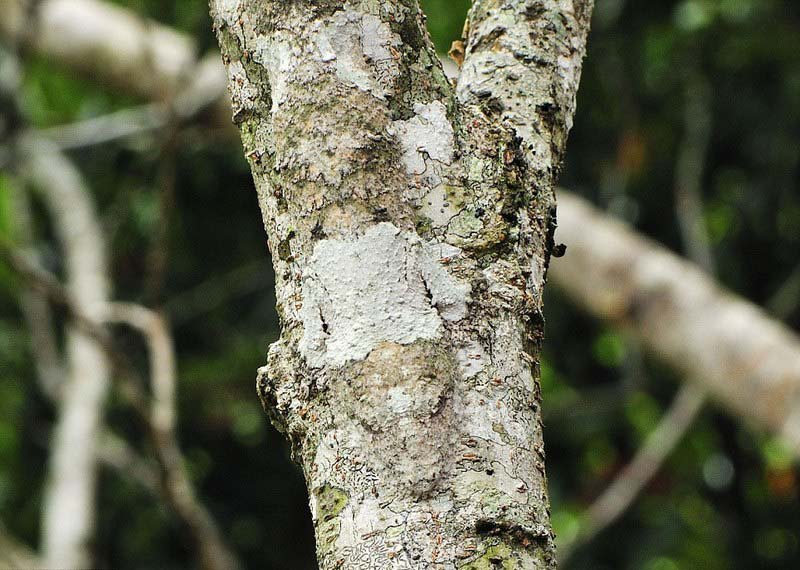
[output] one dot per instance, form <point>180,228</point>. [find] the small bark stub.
<point>411,225</point>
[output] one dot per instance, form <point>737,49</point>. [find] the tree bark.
<point>411,228</point>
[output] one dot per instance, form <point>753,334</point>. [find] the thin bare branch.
<point>108,128</point>
<point>117,454</point>
<point>218,290</point>
<point>112,450</point>
<point>617,498</point>
<point>213,553</point>
<point>69,508</point>
<point>689,173</point>
<point>50,369</point>
<point>786,299</point>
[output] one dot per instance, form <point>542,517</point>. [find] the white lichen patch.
<point>228,11</point>
<point>359,46</point>
<point>377,39</point>
<point>279,57</point>
<point>245,96</point>
<point>387,285</point>
<point>426,135</point>
<point>471,359</point>
<point>447,294</point>
<point>399,401</point>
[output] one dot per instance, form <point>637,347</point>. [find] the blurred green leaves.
<point>445,20</point>
<point>6,209</point>
<point>609,348</point>
<point>695,15</point>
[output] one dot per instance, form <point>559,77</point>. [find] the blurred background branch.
<point>69,511</point>
<point>14,554</point>
<point>688,403</point>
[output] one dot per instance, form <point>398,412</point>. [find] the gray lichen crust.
<point>410,224</point>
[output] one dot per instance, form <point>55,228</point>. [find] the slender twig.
<point>158,255</point>
<point>46,168</point>
<point>69,501</point>
<point>112,450</point>
<point>70,495</point>
<point>108,128</point>
<point>14,554</point>
<point>623,491</point>
<point>213,552</point>
<point>689,174</point>
<point>117,454</point>
<point>48,285</point>
<point>50,368</point>
<point>787,298</point>
<point>206,87</point>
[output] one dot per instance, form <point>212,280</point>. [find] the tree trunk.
<point>411,227</point>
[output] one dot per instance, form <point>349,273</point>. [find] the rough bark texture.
<point>410,228</point>
<point>746,360</point>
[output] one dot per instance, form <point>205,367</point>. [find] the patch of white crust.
<point>279,57</point>
<point>360,48</point>
<point>245,97</point>
<point>448,295</point>
<point>387,285</point>
<point>428,134</point>
<point>471,359</point>
<point>228,10</point>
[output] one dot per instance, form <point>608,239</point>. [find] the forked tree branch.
<point>411,228</point>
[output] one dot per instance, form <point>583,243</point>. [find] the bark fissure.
<point>409,222</point>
